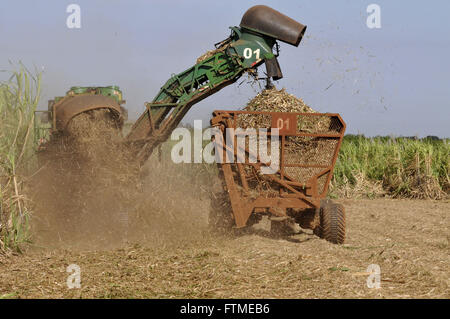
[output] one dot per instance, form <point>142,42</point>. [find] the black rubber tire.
<point>332,222</point>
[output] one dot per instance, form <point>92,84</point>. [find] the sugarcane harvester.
<point>251,44</point>
<point>309,148</point>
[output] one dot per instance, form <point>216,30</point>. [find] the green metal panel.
<point>254,49</point>
<point>113,91</point>
<point>243,50</point>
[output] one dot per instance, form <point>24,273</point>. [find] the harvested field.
<point>144,234</point>
<point>408,239</point>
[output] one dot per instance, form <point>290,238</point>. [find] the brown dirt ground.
<point>409,239</point>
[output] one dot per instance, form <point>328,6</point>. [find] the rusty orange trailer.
<point>308,146</point>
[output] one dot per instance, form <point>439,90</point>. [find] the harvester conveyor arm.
<point>177,96</point>
<point>249,46</point>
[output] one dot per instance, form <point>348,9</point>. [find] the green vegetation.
<point>400,167</point>
<point>18,100</point>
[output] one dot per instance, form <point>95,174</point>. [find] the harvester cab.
<point>62,109</point>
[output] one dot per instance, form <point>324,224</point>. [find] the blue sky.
<point>393,80</point>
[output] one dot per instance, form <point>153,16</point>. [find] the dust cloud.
<point>90,194</point>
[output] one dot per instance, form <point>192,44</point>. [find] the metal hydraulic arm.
<point>177,96</point>
<point>248,46</point>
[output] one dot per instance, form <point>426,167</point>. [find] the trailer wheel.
<point>332,222</point>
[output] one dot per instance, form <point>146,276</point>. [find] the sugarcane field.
<point>293,150</point>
